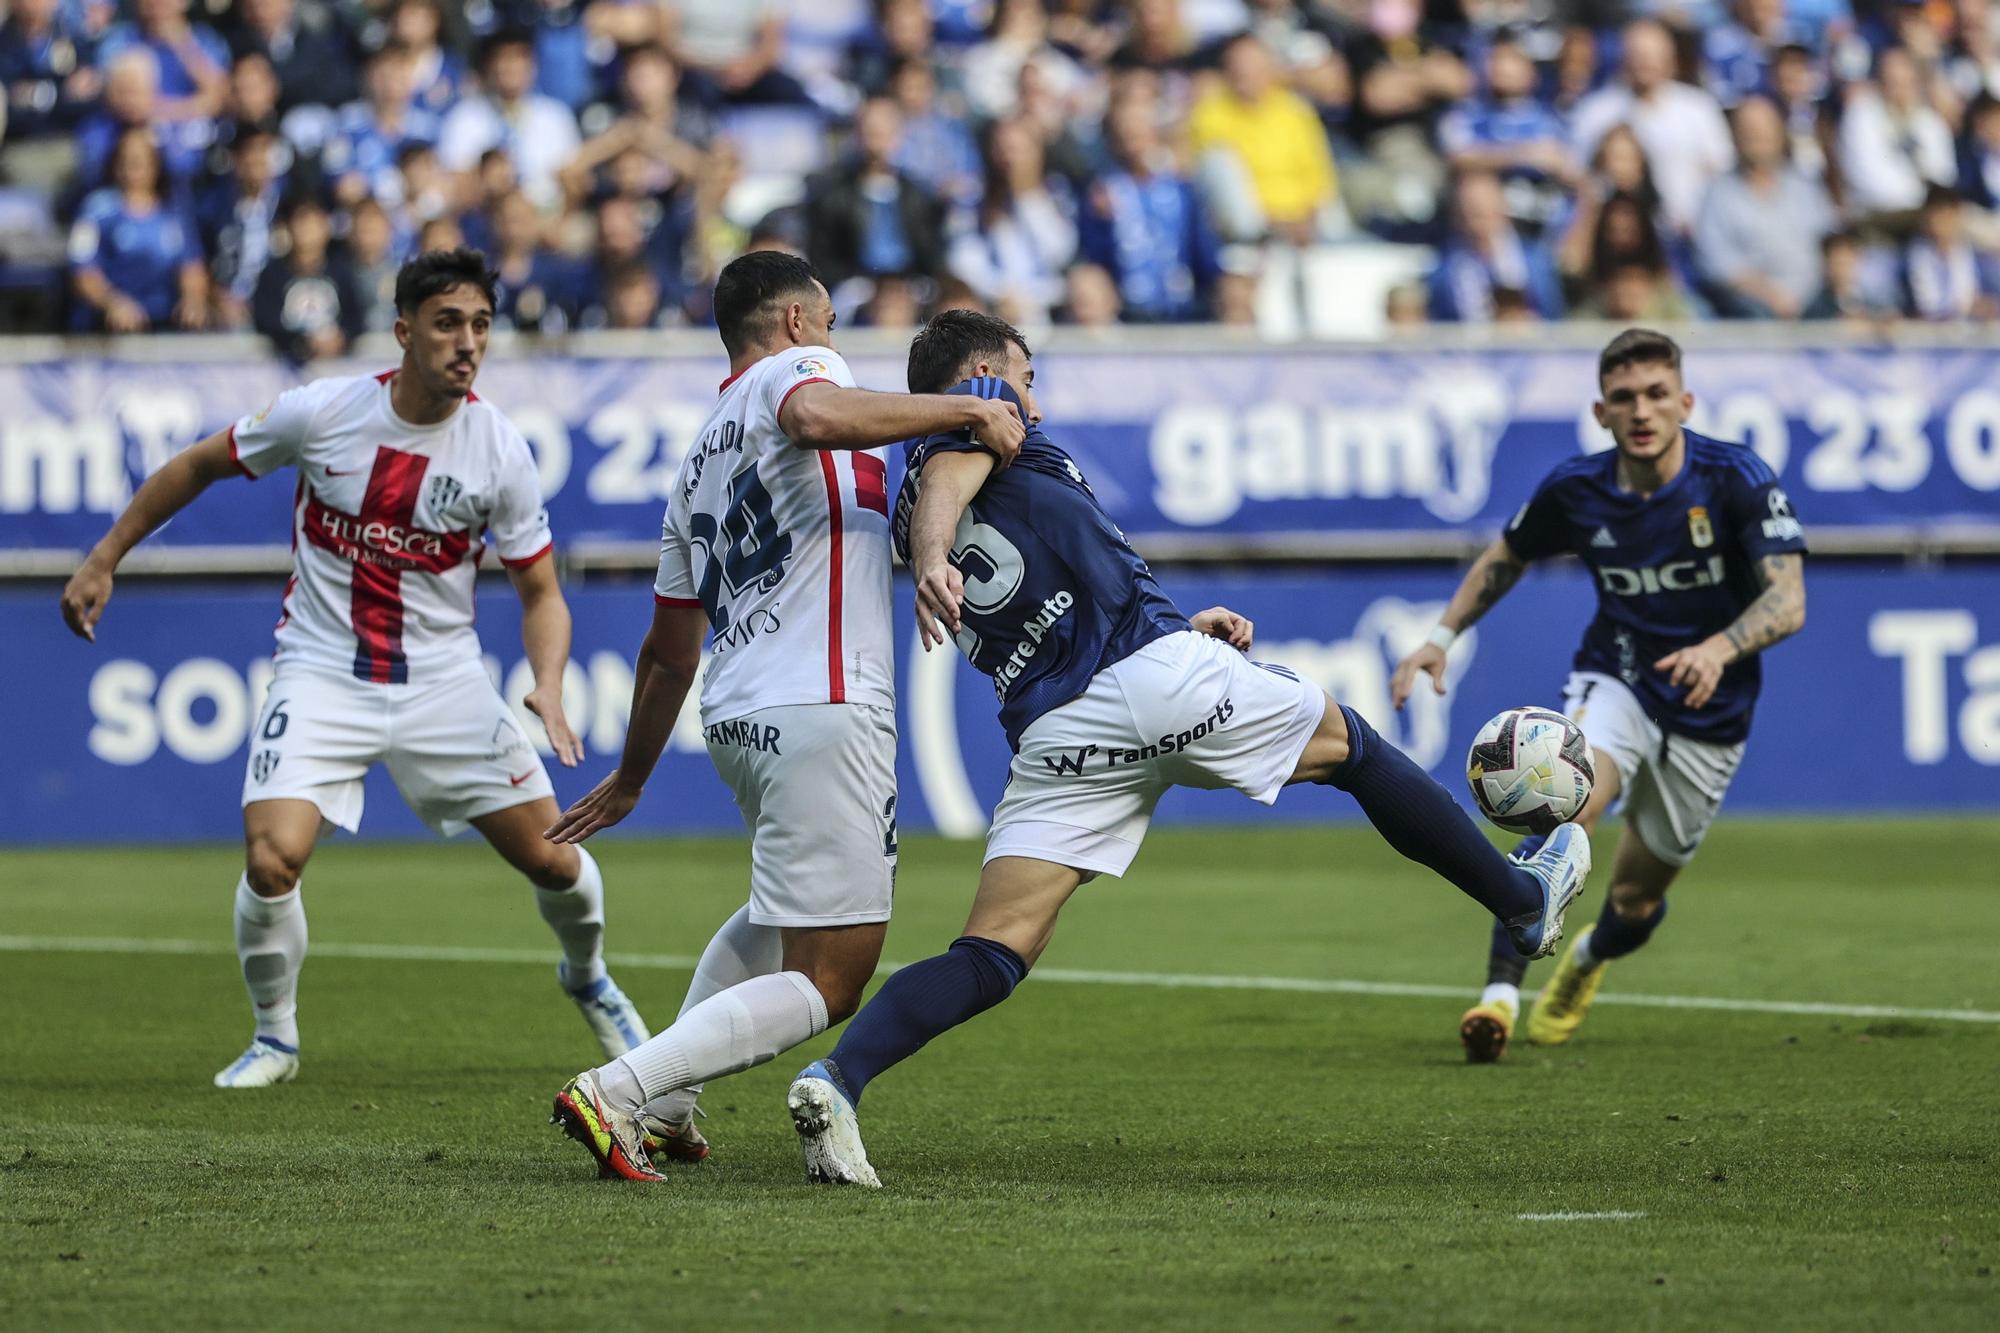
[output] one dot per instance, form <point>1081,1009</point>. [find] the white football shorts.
<point>817,785</point>
<point>451,743</point>
<point>1186,710</point>
<point>1672,785</point>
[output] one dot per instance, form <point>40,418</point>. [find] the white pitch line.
<point>426,953</point>
<point>1577,1217</point>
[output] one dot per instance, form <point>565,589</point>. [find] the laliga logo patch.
<point>444,493</point>
<point>808,366</point>
<point>1699,530</point>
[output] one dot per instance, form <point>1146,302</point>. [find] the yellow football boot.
<point>1485,1029</point>
<point>1559,1012</point>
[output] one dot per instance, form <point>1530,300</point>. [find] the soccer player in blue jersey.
<point>1109,696</point>
<point>1699,565</point>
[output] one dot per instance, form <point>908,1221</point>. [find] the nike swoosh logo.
<point>523,778</point>
<point>341,472</point>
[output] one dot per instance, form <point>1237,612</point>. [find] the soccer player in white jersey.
<point>400,476</point>
<point>777,539</point>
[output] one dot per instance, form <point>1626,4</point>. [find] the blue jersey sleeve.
<point>1539,530</point>
<point>961,441</point>
<point>1760,513</point>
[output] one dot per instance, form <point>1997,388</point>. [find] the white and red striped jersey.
<point>387,524</point>
<point>786,548</point>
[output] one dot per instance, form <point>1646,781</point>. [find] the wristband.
<point>1442,637</point>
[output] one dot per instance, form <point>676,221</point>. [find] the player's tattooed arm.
<point>1780,609</point>
<point>1492,575</point>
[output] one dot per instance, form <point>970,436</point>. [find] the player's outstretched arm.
<point>828,416</point>
<point>1778,613</point>
<point>950,480</point>
<point>545,633</point>
<point>162,495</point>
<point>667,666</point>
<point>1492,575</point>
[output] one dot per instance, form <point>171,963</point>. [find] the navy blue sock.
<point>1617,935</point>
<point>921,1001</point>
<point>1418,818</point>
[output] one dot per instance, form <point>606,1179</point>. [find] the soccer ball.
<point>1530,770</point>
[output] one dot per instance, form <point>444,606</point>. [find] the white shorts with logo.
<point>817,786</point>
<point>450,742</point>
<point>1186,710</point>
<point>1672,785</point>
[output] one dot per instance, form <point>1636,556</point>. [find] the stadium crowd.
<point>230,164</point>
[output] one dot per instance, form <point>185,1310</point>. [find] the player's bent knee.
<point>1636,901</point>
<point>553,867</point>
<point>272,870</point>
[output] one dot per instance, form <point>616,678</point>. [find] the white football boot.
<point>614,1020</point>
<point>267,1062</point>
<point>829,1130</point>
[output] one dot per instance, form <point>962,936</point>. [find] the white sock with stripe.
<point>271,946</point>
<point>576,915</point>
<point>733,1030</point>
<point>739,951</point>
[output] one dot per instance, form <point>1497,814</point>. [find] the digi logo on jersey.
<point>1678,576</point>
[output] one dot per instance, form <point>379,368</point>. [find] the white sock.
<point>271,946</point>
<point>738,952</point>
<point>745,1025</point>
<point>1584,960</point>
<point>1501,992</point>
<point>576,915</point>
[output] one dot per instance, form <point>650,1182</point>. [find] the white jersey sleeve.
<point>268,440</point>
<point>520,522</point>
<point>674,584</point>
<point>805,365</point>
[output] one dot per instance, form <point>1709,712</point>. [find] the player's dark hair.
<point>747,288</point>
<point>1638,347</point>
<point>436,272</point>
<point>952,341</point>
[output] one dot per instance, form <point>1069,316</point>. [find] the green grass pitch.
<point>1089,1155</point>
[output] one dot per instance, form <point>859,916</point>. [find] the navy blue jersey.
<point>1671,568</point>
<point>1053,594</point>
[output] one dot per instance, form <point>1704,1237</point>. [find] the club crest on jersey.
<point>444,493</point>
<point>810,365</point>
<point>1700,532</point>
<point>265,764</point>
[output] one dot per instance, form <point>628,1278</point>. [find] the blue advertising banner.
<point>1234,441</point>
<point>1890,700</point>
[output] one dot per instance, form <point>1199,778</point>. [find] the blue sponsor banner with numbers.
<point>1890,700</point>
<point>1239,441</point>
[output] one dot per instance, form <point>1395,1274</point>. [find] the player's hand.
<point>997,425</point>
<point>83,599</point>
<point>609,801</point>
<point>1698,669</point>
<point>1219,622</point>
<point>1429,660</point>
<point>546,704</point>
<point>940,593</point>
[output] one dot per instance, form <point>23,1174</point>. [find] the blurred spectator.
<point>48,69</point>
<point>437,75</point>
<point>1265,163</point>
<point>1404,80</point>
<point>1623,231</point>
<point>1509,131</point>
<point>314,63</point>
<point>892,305</point>
<point>1737,57</point>
<point>1681,127</point>
<point>1757,240</point>
<point>1090,297</point>
<point>538,133</point>
<point>1019,37</point>
<point>132,102</point>
<point>621,243</point>
<point>1484,253</point>
<point>1893,144</point>
<point>252,97</point>
<point>135,261</point>
<point>1161,46</point>
<point>1143,224</point>
<point>1085,30</point>
<point>360,160</point>
<point>538,285</point>
<point>1406,307</point>
<point>902,31</point>
<point>237,217</point>
<point>1845,292</point>
<point>1945,278</point>
<point>1979,158</point>
<point>632,298</point>
<point>1972,64</point>
<point>937,148</point>
<point>646,139</point>
<point>1313,66</point>
<point>1798,87</point>
<point>866,217</point>
<point>1634,293</point>
<point>1574,75</point>
<point>566,57</point>
<point>729,50</point>
<point>440,233</point>
<point>190,59</point>
<point>373,259</point>
<point>306,303</point>
<point>421,187</point>
<point>1025,236</point>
